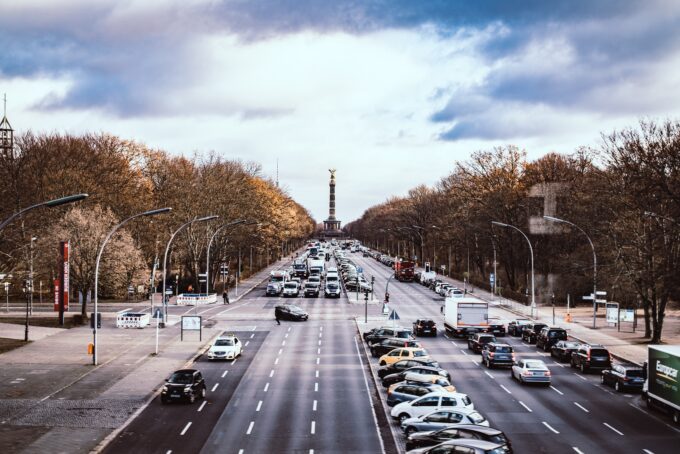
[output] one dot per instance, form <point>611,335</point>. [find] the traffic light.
<point>99,320</point>
<point>387,297</point>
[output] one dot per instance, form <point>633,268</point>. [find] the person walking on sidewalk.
<point>225,297</point>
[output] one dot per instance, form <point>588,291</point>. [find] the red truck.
<point>404,270</point>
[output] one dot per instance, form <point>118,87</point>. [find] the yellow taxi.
<point>403,353</point>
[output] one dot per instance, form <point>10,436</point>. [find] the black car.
<point>562,350</point>
<point>516,326</point>
<point>391,379</point>
<point>183,385</point>
<point>496,326</point>
<point>387,345</point>
<point>477,341</point>
<point>530,332</point>
<point>549,336</point>
<point>425,439</point>
<point>497,354</point>
<point>311,289</point>
<point>290,312</point>
<point>404,364</point>
<point>424,326</point>
<point>591,356</point>
<point>624,378</point>
<point>386,333</point>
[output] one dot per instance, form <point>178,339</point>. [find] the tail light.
<point>513,356</point>
<point>547,373</point>
<point>526,373</point>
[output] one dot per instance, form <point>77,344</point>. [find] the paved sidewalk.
<point>54,400</point>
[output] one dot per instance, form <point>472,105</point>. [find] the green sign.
<point>663,379</point>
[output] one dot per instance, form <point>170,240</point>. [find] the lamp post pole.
<point>96,272</point>
<point>48,204</point>
<point>531,249</point>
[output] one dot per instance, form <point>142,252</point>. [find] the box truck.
<point>464,316</point>
<point>661,388</point>
<point>404,270</point>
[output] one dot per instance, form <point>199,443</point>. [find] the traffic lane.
<point>182,427</point>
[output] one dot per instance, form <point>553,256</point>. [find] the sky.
<point>390,93</point>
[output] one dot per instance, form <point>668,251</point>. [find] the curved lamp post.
<point>207,255</point>
<point>96,269</point>
<point>48,204</point>
<point>531,249</point>
<point>165,257</point>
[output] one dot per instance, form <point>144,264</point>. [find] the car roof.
<point>499,344</point>
<point>443,393</point>
<point>471,443</point>
<point>185,371</point>
<point>475,428</point>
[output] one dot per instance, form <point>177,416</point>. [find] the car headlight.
<point>165,389</point>
<point>187,389</point>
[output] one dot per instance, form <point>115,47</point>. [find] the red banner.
<point>63,275</point>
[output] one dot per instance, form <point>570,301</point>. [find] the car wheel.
<point>617,387</point>
<point>403,417</point>
<point>383,363</point>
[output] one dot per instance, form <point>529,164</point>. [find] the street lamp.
<point>165,257</point>
<point>207,255</point>
<point>554,219</point>
<point>96,271</point>
<point>417,229</point>
<point>531,249</point>
<point>48,204</point>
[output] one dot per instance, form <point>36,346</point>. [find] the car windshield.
<point>332,286</point>
<point>291,285</point>
<point>294,309</point>
<point>560,334</point>
<point>598,352</point>
<point>181,378</point>
<point>310,285</point>
<point>418,353</point>
<point>224,343</point>
<point>476,417</point>
<point>571,345</point>
<point>535,365</point>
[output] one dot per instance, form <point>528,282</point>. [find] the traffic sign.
<point>393,315</point>
<point>600,293</point>
<point>600,301</point>
<point>202,274</point>
<point>588,297</point>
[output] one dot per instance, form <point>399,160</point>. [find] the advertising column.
<point>63,288</point>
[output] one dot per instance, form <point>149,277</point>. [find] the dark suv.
<point>290,312</point>
<point>530,332</point>
<point>624,377</point>
<point>424,326</point>
<point>516,326</point>
<point>386,333</point>
<point>549,336</point>
<point>477,341</point>
<point>591,356</point>
<point>497,354</point>
<point>183,384</point>
<point>387,345</point>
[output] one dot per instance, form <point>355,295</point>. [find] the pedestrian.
<point>225,297</point>
<point>276,314</point>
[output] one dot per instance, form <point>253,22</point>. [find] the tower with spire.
<point>6,134</point>
<point>331,226</point>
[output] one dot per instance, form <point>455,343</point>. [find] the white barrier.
<point>132,320</point>
<point>196,299</point>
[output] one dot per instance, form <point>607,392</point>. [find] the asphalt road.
<point>576,414</point>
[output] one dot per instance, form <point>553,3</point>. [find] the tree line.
<point>624,195</point>
<point>123,178</point>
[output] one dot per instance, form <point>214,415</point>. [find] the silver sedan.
<point>530,371</point>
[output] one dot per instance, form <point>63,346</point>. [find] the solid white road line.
<point>581,407</point>
<point>577,450</point>
<point>525,406</point>
<point>557,390</point>
<point>549,427</point>
<point>224,374</point>
<point>487,373</point>
<point>271,374</point>
<point>314,406</point>
<point>313,427</point>
<point>506,389</point>
<point>266,387</point>
<point>259,405</point>
<point>368,394</point>
<point>214,387</point>
<point>618,432</point>
<point>250,427</point>
<point>316,387</point>
<point>202,405</point>
<point>185,428</point>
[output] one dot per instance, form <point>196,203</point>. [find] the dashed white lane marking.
<point>232,363</point>
<point>487,373</point>
<point>214,387</point>
<point>319,342</point>
<point>464,352</point>
<point>170,451</point>
<point>271,374</point>
<point>185,428</point>
<point>247,342</point>
<point>259,405</point>
<point>314,406</point>
<point>266,387</point>
<point>557,390</point>
<point>617,431</point>
<point>276,361</point>
<point>240,451</point>
<point>316,387</point>
<point>311,451</point>
<point>647,451</point>
<point>577,450</point>
<point>313,427</point>
<point>202,405</point>
<point>318,360</point>
<point>581,407</point>
<point>476,363</point>
<point>250,427</point>
<point>252,335</point>
<point>317,374</point>
<point>253,328</point>
<point>224,374</point>
<point>286,336</point>
<point>446,336</point>
<point>562,366</point>
<point>318,351</point>
<point>280,351</point>
<point>550,427</point>
<point>525,406</point>
<point>506,389</point>
<point>581,377</point>
<point>320,334</point>
<point>289,328</point>
<point>320,328</point>
<point>283,343</point>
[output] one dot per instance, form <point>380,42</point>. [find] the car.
<point>442,419</point>
<point>404,364</point>
<point>273,289</point>
<point>409,390</point>
<point>387,345</point>
<point>297,280</point>
<point>425,326</point>
<point>438,400</point>
<point>465,446</point>
<point>315,278</point>
<point>624,378</point>
<point>291,289</point>
<point>279,276</point>
<point>530,332</point>
<point>455,293</point>
<point>516,326</point>
<point>387,332</point>
<point>496,354</point>
<point>332,290</point>
<point>290,312</point>
<point>183,385</point>
<point>477,341</point>
<point>227,346</point>
<point>430,379</point>
<point>563,349</point>
<point>391,379</point>
<point>530,371</point>
<point>462,431</point>
<point>311,289</point>
<point>496,326</point>
<point>591,356</point>
<point>402,353</point>
<point>549,336</point>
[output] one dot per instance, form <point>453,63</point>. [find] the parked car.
<point>404,364</point>
<point>407,391</point>
<point>477,341</point>
<point>431,402</point>
<point>402,353</point>
<point>530,371</point>
<point>465,446</point>
<point>391,379</point>
<point>624,378</point>
<point>290,312</point>
<point>227,346</point>
<point>591,356</point>
<point>563,349</point>
<point>460,431</point>
<point>516,326</point>
<point>332,290</point>
<point>183,384</point>
<point>496,354</point>
<point>530,332</point>
<point>424,326</point>
<point>385,333</point>
<point>273,289</point>
<point>549,336</point>
<point>387,345</point>
<point>442,419</point>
